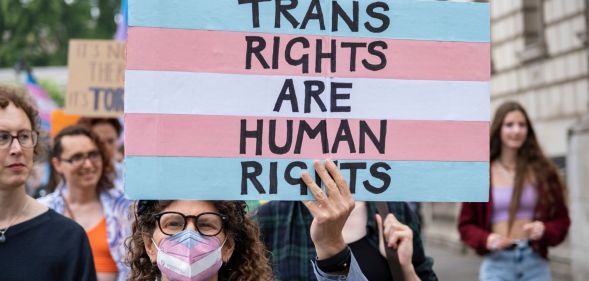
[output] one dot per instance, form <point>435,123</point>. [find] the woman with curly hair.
<point>36,243</point>
<point>196,240</point>
<point>215,240</point>
<point>526,211</point>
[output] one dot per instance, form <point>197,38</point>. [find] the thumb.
<point>380,236</point>
<point>528,227</point>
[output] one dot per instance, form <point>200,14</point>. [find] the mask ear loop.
<point>223,244</point>
<point>155,244</point>
<point>221,250</point>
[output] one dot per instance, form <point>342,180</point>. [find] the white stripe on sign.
<point>168,92</point>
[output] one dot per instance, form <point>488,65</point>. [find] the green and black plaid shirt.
<point>284,227</point>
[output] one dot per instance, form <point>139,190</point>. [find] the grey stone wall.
<point>578,181</point>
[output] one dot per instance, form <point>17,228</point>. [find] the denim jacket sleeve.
<point>354,274</point>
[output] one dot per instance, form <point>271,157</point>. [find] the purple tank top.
<point>502,199</point>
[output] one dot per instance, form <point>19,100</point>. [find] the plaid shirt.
<point>284,227</point>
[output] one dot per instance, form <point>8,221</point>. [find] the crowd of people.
<point>83,228</point>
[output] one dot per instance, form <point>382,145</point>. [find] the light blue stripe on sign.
<point>220,179</point>
<point>409,19</point>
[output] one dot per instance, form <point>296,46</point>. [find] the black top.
<point>374,266</point>
<point>47,247</point>
<point>285,229</point>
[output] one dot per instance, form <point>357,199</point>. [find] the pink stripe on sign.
<point>226,52</point>
<point>219,136</point>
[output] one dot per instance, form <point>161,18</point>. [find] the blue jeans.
<point>518,264</point>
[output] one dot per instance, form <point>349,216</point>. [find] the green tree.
<point>105,24</point>
<point>38,31</point>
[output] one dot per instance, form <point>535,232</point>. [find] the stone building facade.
<point>540,55</point>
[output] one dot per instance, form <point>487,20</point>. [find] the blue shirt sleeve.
<point>354,274</point>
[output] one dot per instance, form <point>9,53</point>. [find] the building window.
<point>533,23</point>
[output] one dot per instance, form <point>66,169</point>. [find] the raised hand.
<point>330,209</point>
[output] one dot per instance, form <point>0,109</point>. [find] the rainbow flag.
<point>237,97</point>
<point>45,105</point>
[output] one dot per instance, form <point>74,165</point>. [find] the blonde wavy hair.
<point>248,261</point>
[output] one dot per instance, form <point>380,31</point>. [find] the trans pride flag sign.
<point>232,99</point>
<point>45,105</point>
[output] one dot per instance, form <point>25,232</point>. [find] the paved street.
<point>451,265</point>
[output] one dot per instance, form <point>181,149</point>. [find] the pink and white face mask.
<point>188,255</point>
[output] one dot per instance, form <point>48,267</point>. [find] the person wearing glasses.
<point>195,240</point>
<point>86,194</point>
<point>215,240</point>
<point>36,243</point>
<point>108,131</point>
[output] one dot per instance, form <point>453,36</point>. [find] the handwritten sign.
<point>96,78</point>
<point>233,99</point>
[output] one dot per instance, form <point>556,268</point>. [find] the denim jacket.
<point>118,221</point>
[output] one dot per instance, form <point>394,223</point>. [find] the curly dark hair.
<point>20,99</point>
<point>248,261</point>
<point>105,182</point>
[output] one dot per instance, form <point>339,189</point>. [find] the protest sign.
<point>96,78</point>
<point>233,99</point>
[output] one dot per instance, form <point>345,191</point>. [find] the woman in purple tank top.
<point>526,211</point>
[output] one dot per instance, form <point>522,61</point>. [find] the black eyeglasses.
<point>79,158</point>
<point>207,224</point>
<point>26,138</point>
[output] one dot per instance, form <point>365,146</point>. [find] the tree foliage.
<point>38,31</point>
